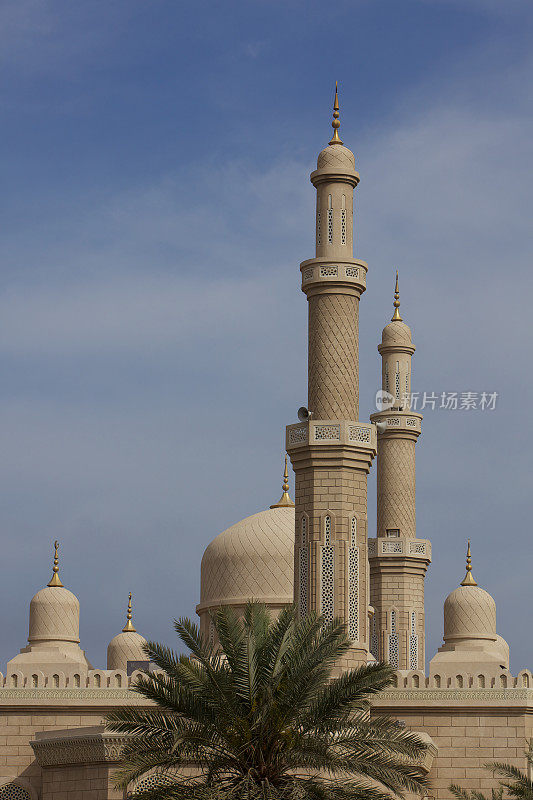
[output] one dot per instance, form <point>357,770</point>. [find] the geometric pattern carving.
<point>396,486</point>
<point>329,272</point>
<point>374,638</point>
<point>392,547</point>
<point>327,574</point>
<point>352,272</point>
<point>303,569</point>
<point>297,435</point>
<point>393,648</point>
<point>353,625</point>
<point>79,749</point>
<point>357,434</point>
<point>353,583</point>
<point>327,432</point>
<point>333,356</point>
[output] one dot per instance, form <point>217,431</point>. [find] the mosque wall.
<point>469,728</point>
<point>25,719</point>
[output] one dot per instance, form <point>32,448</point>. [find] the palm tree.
<point>260,716</point>
<point>518,784</point>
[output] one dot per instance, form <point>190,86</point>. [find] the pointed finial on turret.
<point>284,501</point>
<point>336,139</point>
<point>469,578</point>
<point>129,624</point>
<point>396,316</point>
<point>55,581</point>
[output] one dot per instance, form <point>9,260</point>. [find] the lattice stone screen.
<point>13,791</point>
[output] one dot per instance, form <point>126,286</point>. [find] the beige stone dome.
<point>251,560</point>
<point>54,616</point>
<point>396,333</point>
<point>336,157</point>
<point>124,647</point>
<point>469,613</point>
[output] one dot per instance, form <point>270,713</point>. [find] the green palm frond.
<point>259,717</point>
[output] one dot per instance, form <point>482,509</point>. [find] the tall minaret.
<point>331,453</point>
<point>398,560</point>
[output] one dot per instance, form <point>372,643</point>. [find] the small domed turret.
<point>54,630</point>
<point>470,639</point>
<point>126,646</point>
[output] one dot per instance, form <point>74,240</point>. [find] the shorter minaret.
<point>398,560</point>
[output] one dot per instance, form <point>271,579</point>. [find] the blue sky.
<point>155,207</point>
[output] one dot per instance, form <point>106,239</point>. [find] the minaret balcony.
<point>398,420</point>
<point>402,547</point>
<point>323,273</point>
<point>361,435</point>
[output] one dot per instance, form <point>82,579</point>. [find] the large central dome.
<point>252,560</point>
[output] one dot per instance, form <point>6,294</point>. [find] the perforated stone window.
<point>392,547</point>
<point>330,220</point>
<point>393,650</point>
<point>406,383</point>
<point>393,533</point>
<point>393,422</point>
<point>393,643</point>
<point>151,782</point>
<point>352,272</point>
<point>387,377</point>
<point>329,272</point>
<point>417,547</point>
<point>327,432</point>
<point>318,231</point>
<point>308,274</point>
<point>374,638</point>
<point>343,226</point>
<point>353,582</point>
<point>327,574</point>
<point>413,651</point>
<point>13,791</point>
<point>303,569</point>
<point>297,435</point>
<point>327,530</point>
<point>410,422</point>
<point>413,643</point>
<point>397,380</point>
<point>357,434</point>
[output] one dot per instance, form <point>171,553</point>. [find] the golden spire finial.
<point>469,578</point>
<point>284,501</point>
<point>396,316</point>
<point>336,139</point>
<point>129,624</point>
<point>55,581</point>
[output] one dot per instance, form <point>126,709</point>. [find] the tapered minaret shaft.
<point>331,453</point>
<point>398,560</point>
